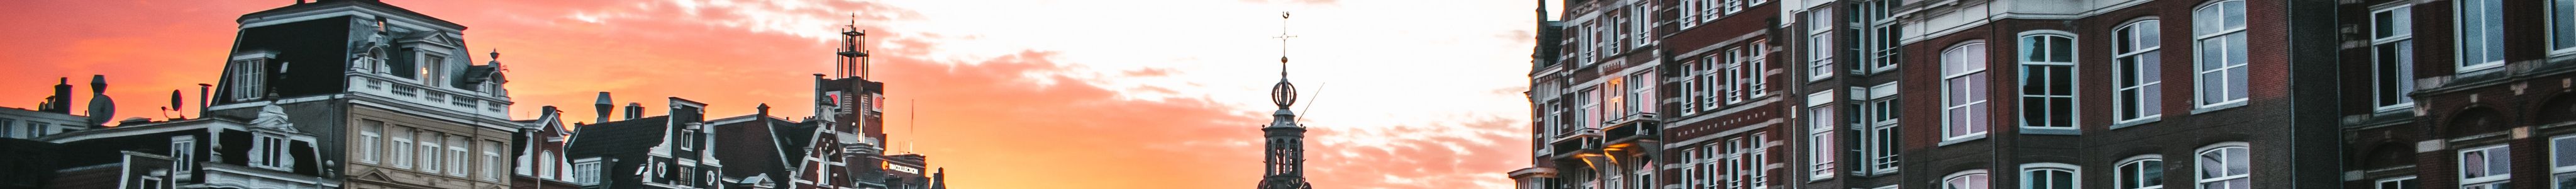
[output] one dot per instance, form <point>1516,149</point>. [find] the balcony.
<point>1571,145</point>
<point>1632,129</point>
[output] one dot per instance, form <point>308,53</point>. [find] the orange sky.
<point>1010,93</point>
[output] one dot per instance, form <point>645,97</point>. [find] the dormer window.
<point>268,150</point>
<point>432,69</point>
<point>249,76</point>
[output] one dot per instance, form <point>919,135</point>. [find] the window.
<point>2223,167</point>
<point>2136,81</point>
<point>1877,38</point>
<point>1820,43</point>
<point>1754,79</point>
<point>1971,179</point>
<point>1591,110</point>
<point>2144,172</point>
<point>149,182</point>
<point>249,79</point>
<point>2407,182</point>
<point>368,137</point>
<point>2562,26</point>
<point>2048,176</point>
<point>1708,10</point>
<point>1709,164</point>
<point>433,70</point>
<point>1692,74</point>
<point>2481,35</point>
<point>1879,141</point>
<point>1689,11</point>
<point>2392,46</point>
<point>1820,136</point>
<point>1963,84</point>
<point>183,154</point>
<point>2486,167</point>
<point>1742,162</point>
<point>269,151</point>
<point>586,171</point>
<point>429,151</point>
<point>1732,85</point>
<point>2562,158</point>
<point>1639,24</point>
<point>545,165</point>
<point>400,151</point>
<point>1691,161</point>
<point>1710,81</point>
<point>1641,92</point>
<point>2219,30</point>
<point>491,164</point>
<point>2047,84</point>
<point>1733,6</point>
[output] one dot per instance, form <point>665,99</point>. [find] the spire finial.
<point>1283,44</point>
<point>1283,94</point>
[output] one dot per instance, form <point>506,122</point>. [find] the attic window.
<point>248,79</point>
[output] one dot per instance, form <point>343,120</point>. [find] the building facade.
<point>391,94</point>
<point>2458,94</point>
<point>1938,94</point>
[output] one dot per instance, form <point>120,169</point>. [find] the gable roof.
<point>324,4</point>
<point>627,139</point>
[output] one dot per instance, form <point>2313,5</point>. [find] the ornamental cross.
<point>1283,43</point>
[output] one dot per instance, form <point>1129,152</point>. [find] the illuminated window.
<point>2486,167</point>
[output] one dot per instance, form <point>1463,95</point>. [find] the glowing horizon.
<point>1011,94</point>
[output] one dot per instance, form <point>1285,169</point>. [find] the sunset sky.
<point>1010,93</point>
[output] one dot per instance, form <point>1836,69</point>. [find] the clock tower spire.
<point>1285,166</point>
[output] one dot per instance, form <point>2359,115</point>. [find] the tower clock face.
<point>1283,94</point>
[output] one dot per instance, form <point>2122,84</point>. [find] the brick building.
<point>1938,94</point>
<point>2458,94</point>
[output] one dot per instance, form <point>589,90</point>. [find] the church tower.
<point>1286,150</point>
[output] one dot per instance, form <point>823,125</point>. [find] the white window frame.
<point>1881,140</point>
<point>2029,173</point>
<point>2459,22</point>
<point>249,79</point>
<point>1591,111</point>
<point>1641,92</point>
<point>1734,6</point>
<point>2142,162</point>
<point>2398,76</point>
<point>2038,42</point>
<point>433,69</point>
<point>268,151</point>
<point>2562,158</point>
<point>585,171</point>
<point>1756,77</point>
<point>183,154</point>
<point>1691,89</point>
<point>1966,62</point>
<point>429,151</point>
<point>1730,85</point>
<point>2225,73</point>
<point>1687,13</point>
<point>370,132</point>
<point>1708,10</point>
<point>2148,91</point>
<point>1821,124</point>
<point>491,164</point>
<point>2203,179</point>
<point>1820,43</point>
<point>1713,83</point>
<point>2500,153</point>
<point>1971,179</point>
<point>400,150</point>
<point>2404,182</point>
<point>1691,161</point>
<point>2562,20</point>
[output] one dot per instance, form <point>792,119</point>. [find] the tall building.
<point>2457,94</point>
<point>1284,140</point>
<point>391,96</point>
<point>1814,93</point>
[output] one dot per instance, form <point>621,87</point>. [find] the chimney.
<point>764,110</point>
<point>202,89</point>
<point>62,100</point>
<point>542,111</point>
<point>634,110</point>
<point>603,106</point>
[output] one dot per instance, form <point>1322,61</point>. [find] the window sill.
<point>1965,139</point>
<point>2219,106</point>
<point>2050,131</point>
<point>2143,121</point>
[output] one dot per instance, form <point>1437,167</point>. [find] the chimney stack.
<point>202,89</point>
<point>634,110</point>
<point>764,110</point>
<point>62,100</point>
<point>603,106</point>
<point>547,110</point>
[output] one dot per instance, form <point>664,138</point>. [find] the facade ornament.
<point>272,117</point>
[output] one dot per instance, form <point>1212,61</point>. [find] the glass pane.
<point>2149,34</point>
<point>2210,90</point>
<point>2500,161</point>
<point>2155,172</point>
<point>2061,80</point>
<point>2030,43</point>
<point>2129,176</point>
<point>2563,23</point>
<point>2236,49</point>
<point>2565,154</point>
<point>2236,161</point>
<point>2212,53</point>
<point>2205,20</point>
<point>2152,102</point>
<point>2236,78</point>
<point>2564,181</point>
<point>2064,115</point>
<point>2127,68</point>
<point>2381,23</point>
<point>2129,103</point>
<point>2212,164</point>
<point>2235,11</point>
<point>2061,49</point>
<point>2124,40</point>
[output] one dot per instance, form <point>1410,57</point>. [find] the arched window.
<point>2049,176</point>
<point>1963,91</point>
<point>2142,172</point>
<point>2135,84</point>
<point>2223,166</point>
<point>1970,179</point>
<point>2047,83</point>
<point>2219,31</point>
